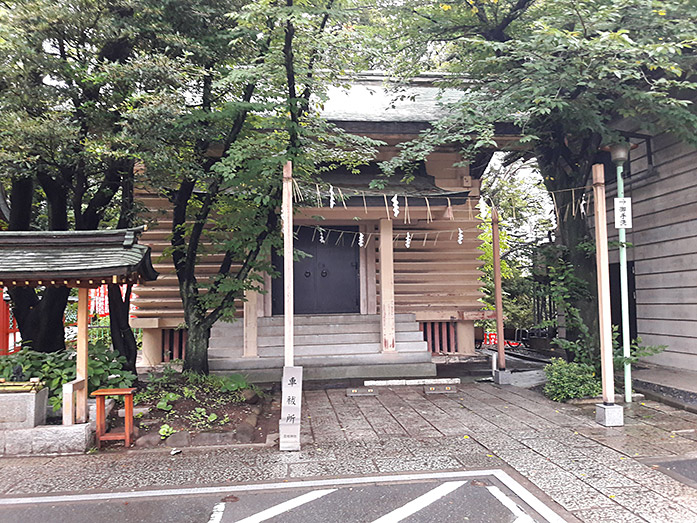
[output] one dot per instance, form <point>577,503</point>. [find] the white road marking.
<point>286,506</point>
<point>421,502</point>
<point>521,517</point>
<point>217,514</point>
<point>520,491</point>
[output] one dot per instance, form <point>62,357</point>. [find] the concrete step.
<point>341,348</point>
<point>301,319</point>
<point>355,360</point>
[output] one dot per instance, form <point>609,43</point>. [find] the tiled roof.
<point>27,257</point>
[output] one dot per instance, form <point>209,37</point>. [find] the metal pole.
<point>602,261</point>
<point>624,291</point>
<point>288,310</point>
<point>498,290</point>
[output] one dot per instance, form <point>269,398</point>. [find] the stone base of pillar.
<point>502,377</point>
<point>609,415</point>
<point>152,347</point>
<point>465,337</point>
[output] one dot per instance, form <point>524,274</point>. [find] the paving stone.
<point>60,439</point>
<point>152,439</point>
<point>415,464</point>
<point>17,442</point>
<point>653,507</point>
<point>331,468</point>
<point>245,433</point>
<point>214,438</point>
<point>179,439</point>
<point>579,498</point>
<point>605,514</point>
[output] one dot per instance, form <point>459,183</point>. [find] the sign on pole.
<point>623,213</point>
<point>289,425</point>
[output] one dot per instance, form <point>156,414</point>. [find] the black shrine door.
<point>326,281</point>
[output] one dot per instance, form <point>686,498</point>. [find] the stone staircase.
<point>327,346</point>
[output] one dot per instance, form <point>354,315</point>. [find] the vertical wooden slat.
<point>167,345</point>
<point>371,270</point>
<point>363,273</point>
<point>436,337</point>
<point>429,337</point>
<point>451,329</point>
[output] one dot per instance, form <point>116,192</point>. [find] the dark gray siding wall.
<point>664,239</point>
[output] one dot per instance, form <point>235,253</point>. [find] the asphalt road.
<point>471,497</point>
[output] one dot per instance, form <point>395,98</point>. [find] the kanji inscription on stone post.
<point>289,424</point>
<point>623,213</point>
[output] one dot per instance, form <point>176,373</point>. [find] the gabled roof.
<point>74,258</point>
<point>372,98</point>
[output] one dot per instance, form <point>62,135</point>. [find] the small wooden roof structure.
<point>74,258</point>
<point>81,259</point>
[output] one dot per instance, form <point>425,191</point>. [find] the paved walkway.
<point>592,473</point>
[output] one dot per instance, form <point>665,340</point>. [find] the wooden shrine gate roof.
<point>74,258</point>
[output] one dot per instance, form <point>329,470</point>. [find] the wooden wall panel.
<point>160,299</point>
<point>440,276</point>
<point>664,239</point>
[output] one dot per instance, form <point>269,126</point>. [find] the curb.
<point>645,388</point>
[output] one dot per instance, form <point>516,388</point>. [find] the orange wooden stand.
<point>102,434</point>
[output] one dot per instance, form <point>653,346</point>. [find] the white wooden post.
<point>608,413</point>
<point>251,311</point>
<point>287,216</point>
<point>81,360</point>
<point>291,386</point>
<point>387,287</point>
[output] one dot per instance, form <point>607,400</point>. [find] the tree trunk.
<point>197,340</point>
<point>40,322</point>
<point>122,336</point>
<point>565,162</point>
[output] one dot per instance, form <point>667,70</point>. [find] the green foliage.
<point>524,221</point>
<point>189,393</point>
<point>163,404</point>
<point>229,383</point>
<point>202,420</point>
<point>166,431</point>
<point>570,380</point>
<point>636,350</point>
<point>104,366</point>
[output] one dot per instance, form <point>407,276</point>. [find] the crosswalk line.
<point>286,506</point>
<point>521,517</point>
<point>421,502</point>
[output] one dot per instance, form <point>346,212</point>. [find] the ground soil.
<point>206,409</point>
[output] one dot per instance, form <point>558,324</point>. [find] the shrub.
<point>570,380</point>
<point>104,369</point>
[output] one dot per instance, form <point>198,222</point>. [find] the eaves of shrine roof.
<point>74,258</point>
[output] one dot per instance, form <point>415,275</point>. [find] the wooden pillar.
<point>288,301</point>
<point>498,291</point>
<point>387,287</point>
<point>371,277</point>
<point>465,337</point>
<point>81,360</point>
<point>251,312</point>
<point>152,346</point>
<point>603,269</point>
